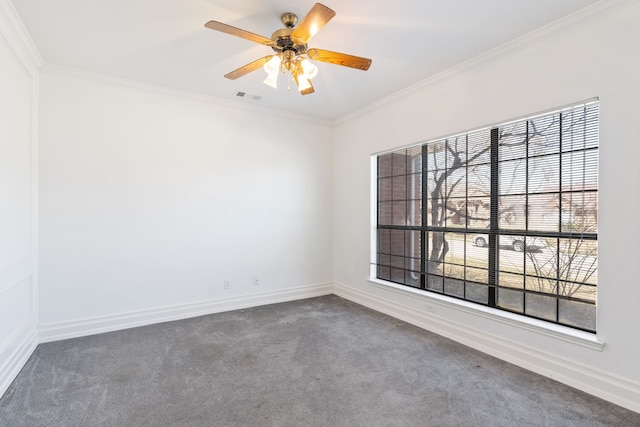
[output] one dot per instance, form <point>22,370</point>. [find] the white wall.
<point>150,200</point>
<point>18,260</point>
<point>594,53</point>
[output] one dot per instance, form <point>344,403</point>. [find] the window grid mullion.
<point>526,218</point>
<point>560,193</point>
<point>436,219</point>
<point>466,204</point>
<point>424,243</point>
<point>493,219</point>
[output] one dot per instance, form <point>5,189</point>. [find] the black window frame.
<point>404,231</point>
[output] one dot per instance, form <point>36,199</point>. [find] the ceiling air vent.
<point>248,96</point>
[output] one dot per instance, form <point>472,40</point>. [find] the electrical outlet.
<point>256,281</point>
<point>227,284</point>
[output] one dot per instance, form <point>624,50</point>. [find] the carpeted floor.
<point>317,362</point>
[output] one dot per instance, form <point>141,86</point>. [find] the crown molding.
<point>178,93</point>
<point>17,38</point>
<point>580,17</point>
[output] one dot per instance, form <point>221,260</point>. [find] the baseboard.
<point>97,325</point>
<point>15,355</point>
<point>608,387</point>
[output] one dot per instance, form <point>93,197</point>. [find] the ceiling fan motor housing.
<point>283,42</point>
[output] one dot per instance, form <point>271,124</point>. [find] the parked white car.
<point>517,243</point>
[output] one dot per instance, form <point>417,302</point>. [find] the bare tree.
<point>458,181</point>
<point>568,267</point>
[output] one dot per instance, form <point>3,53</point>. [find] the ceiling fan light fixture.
<point>301,68</point>
<point>309,70</point>
<point>272,67</point>
<point>303,84</point>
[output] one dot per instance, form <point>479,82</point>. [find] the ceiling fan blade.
<point>219,26</point>
<point>246,69</point>
<point>309,90</point>
<point>313,21</point>
<point>339,59</point>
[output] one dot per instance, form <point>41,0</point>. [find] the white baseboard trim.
<point>97,325</point>
<point>15,355</point>
<point>603,385</point>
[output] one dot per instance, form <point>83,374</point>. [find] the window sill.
<point>574,336</point>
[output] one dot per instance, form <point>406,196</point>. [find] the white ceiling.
<point>164,42</point>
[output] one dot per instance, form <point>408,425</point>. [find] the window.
<point>504,216</point>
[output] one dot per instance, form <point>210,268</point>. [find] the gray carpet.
<point>317,362</point>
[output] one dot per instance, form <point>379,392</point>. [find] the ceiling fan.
<point>291,51</point>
